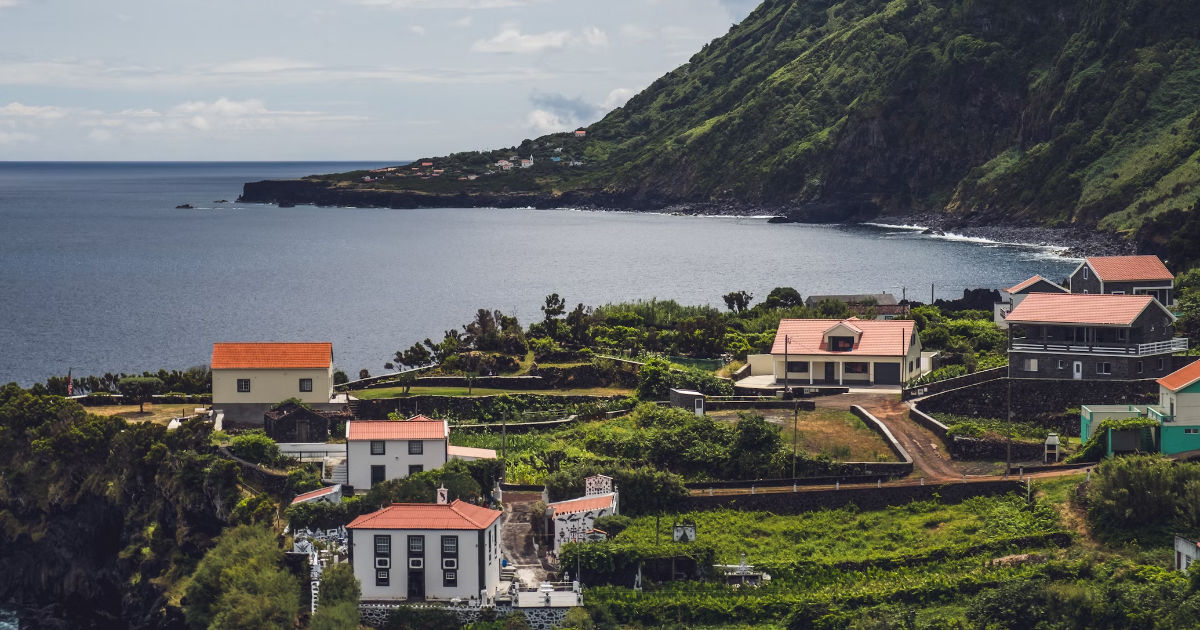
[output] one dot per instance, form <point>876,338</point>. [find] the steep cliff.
<point>1080,112</point>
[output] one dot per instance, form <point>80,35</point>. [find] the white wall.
<point>580,521</point>
<point>761,364</point>
<point>469,554</point>
<point>395,458</point>
<point>271,386</point>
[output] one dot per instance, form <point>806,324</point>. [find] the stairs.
<point>337,472</point>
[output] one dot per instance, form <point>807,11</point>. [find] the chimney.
<point>442,496</point>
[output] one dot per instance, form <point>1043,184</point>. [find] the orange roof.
<point>278,355</point>
<point>1080,308</point>
<point>1181,378</point>
<point>1021,286</point>
<point>583,504</point>
<point>1129,268</point>
<point>315,494</point>
<point>415,429</point>
<point>453,515</point>
<point>879,337</point>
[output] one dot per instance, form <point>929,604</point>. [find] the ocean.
<point>100,272</point>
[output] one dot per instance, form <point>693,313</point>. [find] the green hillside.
<point>1071,112</point>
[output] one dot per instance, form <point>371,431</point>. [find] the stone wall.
<point>376,615</point>
<point>953,383</point>
<point>465,407</point>
<point>968,448</point>
<point>1034,397</point>
<point>864,498</point>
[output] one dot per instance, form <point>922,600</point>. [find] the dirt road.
<point>927,451</point>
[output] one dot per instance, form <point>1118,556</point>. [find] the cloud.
<point>16,137</point>
<point>617,98</point>
<point>417,29</point>
<point>595,37</point>
<point>510,40</point>
<point>6,4</point>
<point>41,112</point>
<point>464,21</point>
<point>442,4</point>
<point>253,72</point>
<point>556,112</point>
<point>542,122</point>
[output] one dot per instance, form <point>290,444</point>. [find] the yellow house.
<point>248,378</point>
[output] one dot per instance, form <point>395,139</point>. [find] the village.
<point>457,486</point>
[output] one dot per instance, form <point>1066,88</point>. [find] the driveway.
<point>926,449</point>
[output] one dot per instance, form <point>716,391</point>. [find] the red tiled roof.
<point>454,515</point>
<point>426,429</point>
<point>879,337</point>
<point>467,451</point>
<point>278,355</point>
<point>315,494</point>
<point>1079,308</point>
<point>1021,286</point>
<point>1181,378</point>
<point>582,504</point>
<point>1129,268</point>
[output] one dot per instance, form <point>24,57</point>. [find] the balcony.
<point>1171,346</point>
<point>1160,416</point>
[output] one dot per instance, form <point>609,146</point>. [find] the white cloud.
<point>41,112</point>
<point>443,4</point>
<point>464,21</point>
<point>417,29</point>
<point>511,40</point>
<point>617,98</point>
<point>595,37</point>
<point>542,122</point>
<point>15,137</point>
<point>5,4</point>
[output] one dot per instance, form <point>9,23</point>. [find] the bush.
<point>241,583</point>
<point>612,524</point>
<point>301,480</point>
<point>255,446</point>
<point>1136,492</point>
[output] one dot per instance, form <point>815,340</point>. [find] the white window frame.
<point>1100,368</point>
<point>306,382</point>
<point>382,450</point>
<point>243,386</point>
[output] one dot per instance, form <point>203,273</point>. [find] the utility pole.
<point>931,294</point>
<point>503,433</point>
<point>1008,429</point>
<point>795,426</point>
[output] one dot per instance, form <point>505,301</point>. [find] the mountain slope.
<point>1078,112</point>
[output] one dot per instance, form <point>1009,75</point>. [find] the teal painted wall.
<point>1174,440</point>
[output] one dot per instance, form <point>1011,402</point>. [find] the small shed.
<point>688,399</point>
<point>1186,552</point>
<point>294,422</point>
<point>1052,448</point>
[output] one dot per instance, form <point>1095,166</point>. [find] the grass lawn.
<point>849,534</point>
<point>398,392</point>
<point>838,434</point>
<point>160,414</point>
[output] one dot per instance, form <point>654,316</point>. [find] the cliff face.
<point>1079,112</point>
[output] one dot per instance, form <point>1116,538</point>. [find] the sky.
<point>326,79</point>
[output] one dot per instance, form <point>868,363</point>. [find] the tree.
<point>340,378</point>
<point>140,389</point>
<point>337,603</point>
<point>240,583</point>
<point>654,380</point>
<point>416,356</point>
<point>783,297</point>
<point>554,307</point>
<point>255,446</point>
<point>738,301</point>
<point>364,373</point>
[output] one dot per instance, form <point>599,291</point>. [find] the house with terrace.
<point>846,352</point>
<point>379,450</point>
<point>1091,337</point>
<point>1012,296</point>
<point>1172,426</point>
<point>1125,275</point>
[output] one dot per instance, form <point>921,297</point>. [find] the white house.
<point>378,450</point>
<point>329,494</point>
<point>248,378</point>
<point>1186,552</point>
<point>843,352</point>
<point>574,518</point>
<point>1011,297</point>
<point>426,551</point>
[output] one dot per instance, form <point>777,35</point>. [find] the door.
<point>416,584</point>
<point>1077,370</point>
<point>699,406</point>
<point>302,430</point>
<point>830,376</point>
<point>887,373</point>
<point>378,473</point>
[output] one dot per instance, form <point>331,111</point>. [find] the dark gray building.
<point>1092,337</point>
<point>1125,275</point>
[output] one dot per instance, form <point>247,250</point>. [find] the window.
<point>1118,293</point>
<point>798,366</point>
<point>383,545</point>
<point>910,366</point>
<point>1085,274</point>
<point>841,344</point>
<point>378,474</point>
<point>378,447</point>
<point>416,447</point>
<point>1029,365</point>
<point>243,385</point>
<point>449,545</point>
<point>1191,431</point>
<point>306,384</point>
<point>1122,334</point>
<point>1085,290</point>
<point>381,577</point>
<point>1139,367</point>
<point>1161,363</point>
<point>1062,365</point>
<point>415,468</point>
<point>857,368</point>
<point>1104,367</point>
<point>416,546</point>
<point>450,579</point>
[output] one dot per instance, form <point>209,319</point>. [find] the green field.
<point>398,392</point>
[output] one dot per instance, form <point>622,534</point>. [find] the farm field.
<point>836,434</point>
<point>156,413</point>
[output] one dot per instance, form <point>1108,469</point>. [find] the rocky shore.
<point>1076,242</point>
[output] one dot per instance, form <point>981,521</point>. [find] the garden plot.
<point>839,435</point>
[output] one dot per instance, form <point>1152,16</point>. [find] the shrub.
<point>255,446</point>
<point>241,583</point>
<point>1135,492</point>
<point>301,480</point>
<point>612,524</point>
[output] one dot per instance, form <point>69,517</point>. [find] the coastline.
<point>1069,242</point>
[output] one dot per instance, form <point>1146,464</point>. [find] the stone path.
<point>516,538</point>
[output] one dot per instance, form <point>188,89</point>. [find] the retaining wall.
<point>937,387</point>
<point>376,615</point>
<point>864,498</point>
<point>901,468</point>
<point>1032,397</point>
<point>464,406</point>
